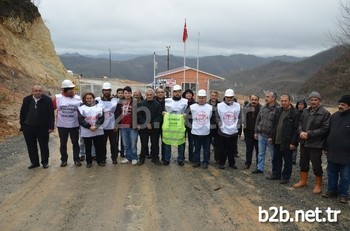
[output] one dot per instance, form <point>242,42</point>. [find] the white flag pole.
<point>197,83</point>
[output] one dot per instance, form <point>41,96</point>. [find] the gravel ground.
<point>148,197</point>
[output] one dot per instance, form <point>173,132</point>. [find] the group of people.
<point>168,122</point>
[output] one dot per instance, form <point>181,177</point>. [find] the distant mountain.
<point>141,68</point>
<point>281,76</point>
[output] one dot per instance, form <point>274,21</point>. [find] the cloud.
<point>269,27</point>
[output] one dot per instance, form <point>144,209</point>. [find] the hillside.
<point>27,56</point>
<point>333,80</point>
<point>282,76</point>
<point>141,68</point>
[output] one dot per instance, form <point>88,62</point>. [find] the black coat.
<point>290,124</point>
<point>338,141</point>
<point>46,112</point>
<point>154,109</point>
<point>316,125</point>
<point>250,119</point>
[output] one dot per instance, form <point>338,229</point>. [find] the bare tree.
<point>36,2</point>
<point>342,35</point>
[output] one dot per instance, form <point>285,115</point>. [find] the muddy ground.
<point>148,197</point>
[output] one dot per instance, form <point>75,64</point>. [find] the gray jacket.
<point>265,121</point>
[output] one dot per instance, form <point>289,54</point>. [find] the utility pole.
<point>110,63</point>
<point>168,58</point>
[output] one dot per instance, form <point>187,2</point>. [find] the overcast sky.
<point>259,27</point>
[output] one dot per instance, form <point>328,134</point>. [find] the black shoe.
<point>102,163</point>
<point>233,166</point>
<point>329,194</point>
<point>180,163</point>
<point>122,155</point>
<point>63,164</point>
<point>196,165</point>
<point>257,171</point>
<point>77,163</point>
<point>89,165</point>
<point>115,161</point>
<point>247,166</point>
<point>82,158</point>
<point>33,166</point>
<point>221,166</point>
<point>46,165</point>
<point>166,162</point>
<point>284,181</point>
<point>273,177</point>
<point>149,157</point>
<point>141,162</point>
<point>204,165</point>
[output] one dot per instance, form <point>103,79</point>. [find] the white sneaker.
<point>125,161</point>
<point>134,162</point>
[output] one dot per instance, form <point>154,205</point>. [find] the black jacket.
<point>149,112</point>
<point>46,112</point>
<point>338,141</point>
<point>316,125</point>
<point>290,124</point>
<point>250,119</point>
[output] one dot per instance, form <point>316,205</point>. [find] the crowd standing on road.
<point>163,123</point>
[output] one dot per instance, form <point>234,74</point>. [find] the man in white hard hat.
<point>67,104</point>
<point>175,105</point>
<point>200,117</point>
<point>228,116</point>
<point>109,106</point>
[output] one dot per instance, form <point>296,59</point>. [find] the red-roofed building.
<point>189,76</point>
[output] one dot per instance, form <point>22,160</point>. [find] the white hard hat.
<point>106,86</point>
<point>229,93</point>
<point>202,92</point>
<point>177,87</point>
<point>67,84</point>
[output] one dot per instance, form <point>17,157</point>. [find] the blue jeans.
<point>263,145</point>
<point>338,178</point>
<point>199,142</point>
<point>129,136</point>
<point>278,158</point>
<point>180,152</point>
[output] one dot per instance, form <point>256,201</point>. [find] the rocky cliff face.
<point>27,57</point>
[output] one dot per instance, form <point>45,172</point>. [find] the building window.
<point>191,86</point>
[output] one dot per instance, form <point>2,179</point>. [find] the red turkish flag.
<point>184,35</point>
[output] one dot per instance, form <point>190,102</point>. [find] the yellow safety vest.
<point>173,129</point>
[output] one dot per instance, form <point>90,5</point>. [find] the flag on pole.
<point>184,35</point>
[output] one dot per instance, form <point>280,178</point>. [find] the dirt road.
<point>148,197</point>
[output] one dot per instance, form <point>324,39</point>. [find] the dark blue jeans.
<point>277,161</point>
<point>199,142</point>
<point>190,144</point>
<point>180,152</point>
<point>251,143</point>
<point>338,178</point>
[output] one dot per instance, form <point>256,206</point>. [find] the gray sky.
<point>259,27</point>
